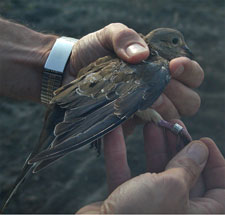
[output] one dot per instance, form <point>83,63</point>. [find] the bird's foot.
<point>177,130</point>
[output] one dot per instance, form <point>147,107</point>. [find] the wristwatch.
<point>54,67</point>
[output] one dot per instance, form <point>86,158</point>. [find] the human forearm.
<point>23,53</point>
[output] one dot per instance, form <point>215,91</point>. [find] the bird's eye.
<point>175,41</point>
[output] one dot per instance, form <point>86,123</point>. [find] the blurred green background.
<point>79,178</point>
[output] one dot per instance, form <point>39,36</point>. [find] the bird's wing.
<point>97,103</point>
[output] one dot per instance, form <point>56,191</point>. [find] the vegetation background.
<point>79,178</point>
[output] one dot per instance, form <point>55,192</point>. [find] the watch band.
<point>54,67</point>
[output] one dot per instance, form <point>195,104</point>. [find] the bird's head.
<point>169,43</point>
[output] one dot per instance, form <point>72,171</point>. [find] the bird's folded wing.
<point>95,105</point>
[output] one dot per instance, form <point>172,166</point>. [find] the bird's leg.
<point>151,115</point>
<point>176,129</point>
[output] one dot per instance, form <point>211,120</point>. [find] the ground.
<point>79,178</point>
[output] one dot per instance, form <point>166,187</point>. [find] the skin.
<point>194,176</point>
<point>21,58</point>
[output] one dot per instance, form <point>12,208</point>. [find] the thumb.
<point>126,43</point>
<point>189,163</point>
<point>93,208</point>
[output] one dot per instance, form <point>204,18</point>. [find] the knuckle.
<point>190,168</point>
<point>191,105</point>
<point>106,35</point>
<point>176,185</point>
<point>207,140</point>
<point>113,26</point>
<point>193,74</point>
<point>199,74</point>
<point>195,104</point>
<point>126,34</point>
<point>189,172</point>
<point>119,34</point>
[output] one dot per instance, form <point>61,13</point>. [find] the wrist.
<point>44,49</point>
<point>39,52</point>
<point>22,58</point>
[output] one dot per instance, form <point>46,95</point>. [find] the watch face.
<point>59,54</point>
<point>54,67</point>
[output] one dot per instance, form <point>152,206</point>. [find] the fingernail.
<point>135,49</point>
<point>158,102</point>
<point>197,152</point>
<point>178,71</point>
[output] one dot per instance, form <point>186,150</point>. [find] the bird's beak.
<point>188,52</point>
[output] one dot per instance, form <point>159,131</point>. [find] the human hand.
<point>192,182</point>
<point>178,98</point>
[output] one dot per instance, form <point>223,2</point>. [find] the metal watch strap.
<point>51,81</point>
<point>54,67</point>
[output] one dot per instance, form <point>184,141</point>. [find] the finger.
<point>155,148</point>
<point>186,101</point>
<point>117,169</point>
<point>187,71</point>
<point>187,165</point>
<point>126,43</point>
<point>93,208</point>
<point>165,108</point>
<point>214,173</point>
<point>205,206</point>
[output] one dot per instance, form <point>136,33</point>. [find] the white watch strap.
<point>54,67</point>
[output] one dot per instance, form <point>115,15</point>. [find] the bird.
<point>104,95</point>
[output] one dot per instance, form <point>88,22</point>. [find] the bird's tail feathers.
<point>21,178</point>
